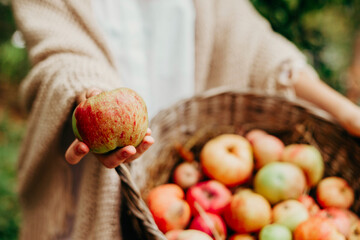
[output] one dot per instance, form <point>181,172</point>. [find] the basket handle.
<point>137,206</point>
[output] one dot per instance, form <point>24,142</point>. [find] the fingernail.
<point>95,92</point>
<point>81,150</point>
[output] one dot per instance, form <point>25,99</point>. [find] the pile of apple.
<point>254,187</point>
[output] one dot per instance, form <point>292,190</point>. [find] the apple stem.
<point>207,220</point>
<point>185,153</point>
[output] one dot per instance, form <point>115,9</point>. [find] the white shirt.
<point>153,43</point>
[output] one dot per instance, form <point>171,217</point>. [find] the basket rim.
<point>294,100</point>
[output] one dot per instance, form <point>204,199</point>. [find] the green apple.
<point>308,158</point>
<point>275,231</point>
<point>111,120</point>
<point>278,181</point>
<point>290,213</point>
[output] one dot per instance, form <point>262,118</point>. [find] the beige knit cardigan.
<point>235,47</point>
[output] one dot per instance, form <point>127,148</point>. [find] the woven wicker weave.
<point>194,121</point>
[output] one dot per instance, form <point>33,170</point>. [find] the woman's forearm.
<point>314,90</point>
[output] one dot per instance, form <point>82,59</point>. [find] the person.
<point>168,50</point>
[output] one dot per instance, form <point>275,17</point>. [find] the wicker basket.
<point>194,121</point>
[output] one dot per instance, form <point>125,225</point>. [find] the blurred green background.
<point>326,31</point>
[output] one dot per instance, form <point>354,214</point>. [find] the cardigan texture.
<point>234,47</point>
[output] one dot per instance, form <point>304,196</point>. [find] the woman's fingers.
<point>352,124</point>
<point>126,154</point>
<point>145,145</point>
<point>76,151</point>
<point>86,94</point>
<point>115,159</point>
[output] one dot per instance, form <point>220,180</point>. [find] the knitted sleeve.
<point>68,56</point>
<point>237,47</point>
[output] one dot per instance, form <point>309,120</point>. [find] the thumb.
<point>76,151</point>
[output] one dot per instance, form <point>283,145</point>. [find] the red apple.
<point>111,120</point>
<point>211,224</point>
<point>242,236</point>
<point>278,181</point>
<point>211,195</point>
<point>168,207</point>
<point>247,212</point>
<point>188,234</point>
<point>227,158</point>
<point>334,192</point>
<point>339,217</point>
<point>289,213</point>
<point>253,134</point>
<point>317,228</point>
<point>267,149</point>
<point>308,158</point>
<point>309,203</point>
<point>186,174</point>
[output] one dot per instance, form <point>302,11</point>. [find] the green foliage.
<point>14,63</point>
<point>11,132</point>
<point>323,29</point>
<point>7,23</point>
<point>14,66</point>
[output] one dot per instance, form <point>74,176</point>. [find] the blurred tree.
<point>323,29</point>
<point>14,66</point>
<point>13,57</point>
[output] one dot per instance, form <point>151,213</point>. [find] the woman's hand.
<point>349,118</point>
<point>77,150</point>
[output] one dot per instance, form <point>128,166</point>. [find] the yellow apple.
<point>227,158</point>
<point>247,212</point>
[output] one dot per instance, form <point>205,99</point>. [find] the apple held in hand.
<point>228,159</point>
<point>279,181</point>
<point>334,192</point>
<point>290,213</point>
<point>275,231</point>
<point>308,158</point>
<point>247,212</point>
<point>168,207</point>
<point>211,195</point>
<point>111,120</point>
